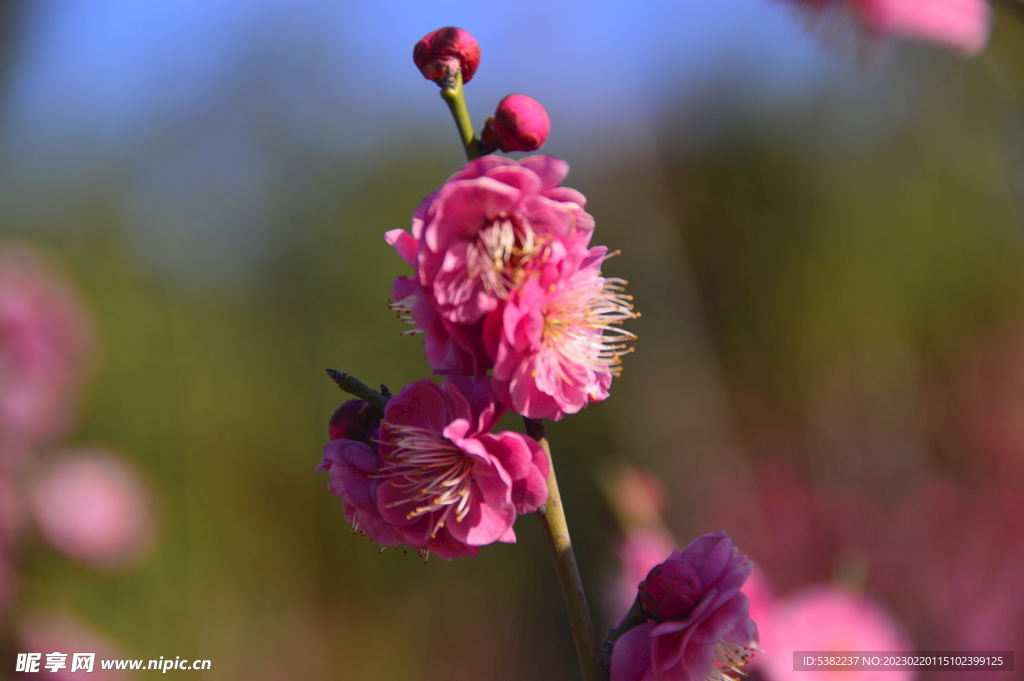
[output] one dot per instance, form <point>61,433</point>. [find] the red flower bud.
<point>520,123</point>
<point>439,53</point>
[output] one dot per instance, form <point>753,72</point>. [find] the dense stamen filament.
<point>500,252</point>
<point>581,328</point>
<point>435,473</point>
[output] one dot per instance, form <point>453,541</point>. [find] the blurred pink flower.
<point>95,508</point>
<point>637,497</point>
<point>784,523</point>
<point>474,239</point>
<point>440,481</point>
<point>960,25</point>
<point>48,632</point>
<point>966,549</point>
<point>697,624</point>
<point>45,339</point>
<point>556,340</point>
<point>829,618</point>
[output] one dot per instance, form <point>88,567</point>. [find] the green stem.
<point>353,386</point>
<point>454,96</point>
<point>552,516</point>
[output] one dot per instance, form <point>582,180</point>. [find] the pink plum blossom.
<point>478,237</point>
<point>440,53</point>
<point>829,618</point>
<point>696,619</point>
<point>95,508</point>
<point>520,123</point>
<point>439,481</point>
<point>45,338</point>
<point>556,341</point>
<point>960,25</point>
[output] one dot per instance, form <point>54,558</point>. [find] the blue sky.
<point>175,98</point>
<point>109,70</point>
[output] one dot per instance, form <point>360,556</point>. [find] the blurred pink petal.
<point>45,342</point>
<point>961,25</point>
<point>830,618</point>
<point>60,632</point>
<point>762,599</point>
<point>94,508</point>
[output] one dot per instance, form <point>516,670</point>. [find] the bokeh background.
<point>825,241</point>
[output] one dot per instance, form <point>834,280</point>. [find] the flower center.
<point>433,472</point>
<point>581,327</point>
<point>500,252</point>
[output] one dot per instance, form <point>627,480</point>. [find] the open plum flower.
<point>437,479</point>
<point>697,625</point>
<point>556,340</point>
<point>474,240</point>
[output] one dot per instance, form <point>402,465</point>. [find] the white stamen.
<point>403,308</point>
<point>581,328</point>
<point>499,253</point>
<point>434,472</point>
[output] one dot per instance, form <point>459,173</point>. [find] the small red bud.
<point>520,123</point>
<point>439,53</point>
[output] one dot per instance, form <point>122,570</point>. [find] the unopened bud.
<point>520,123</point>
<point>442,52</point>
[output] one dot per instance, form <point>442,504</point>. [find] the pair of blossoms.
<point>506,284</point>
